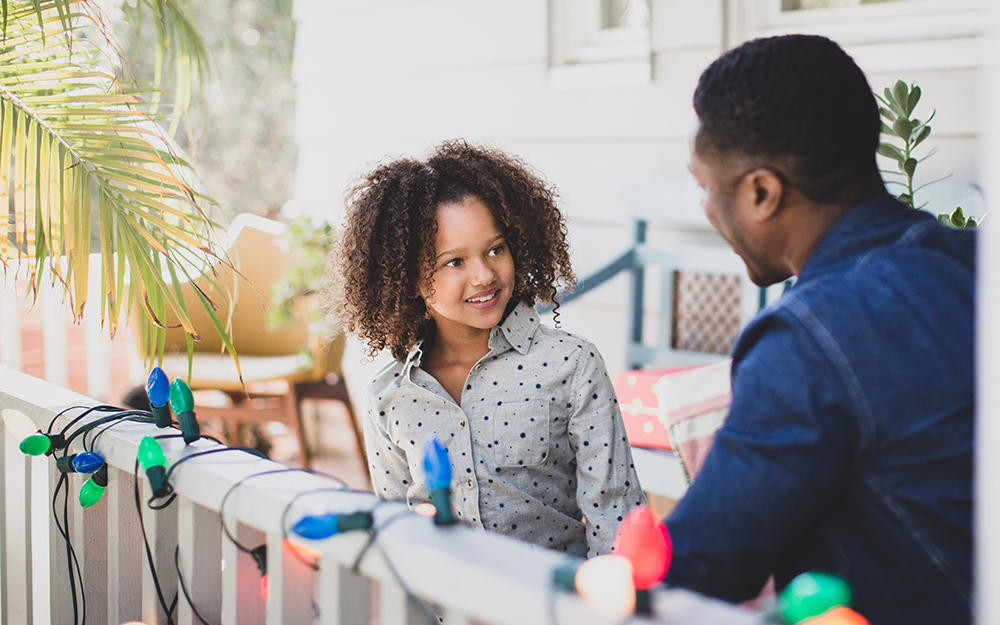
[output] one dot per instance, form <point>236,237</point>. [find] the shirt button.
<point>461,424</point>
<point>478,367</point>
<point>470,484</point>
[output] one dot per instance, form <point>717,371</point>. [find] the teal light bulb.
<point>153,461</point>
<point>181,399</point>
<point>811,594</point>
<point>36,444</point>
<point>93,489</point>
<point>151,454</point>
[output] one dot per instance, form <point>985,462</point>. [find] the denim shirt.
<point>848,445</point>
<point>537,444</point>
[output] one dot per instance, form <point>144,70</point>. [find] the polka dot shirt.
<point>537,446</point>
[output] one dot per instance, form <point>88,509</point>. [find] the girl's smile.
<point>473,277</point>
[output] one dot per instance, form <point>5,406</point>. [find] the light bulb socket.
<point>441,498</point>
<point>189,426</point>
<point>355,521</point>
<point>259,555</point>
<point>56,442</point>
<point>65,464</point>
<point>643,601</point>
<point>157,475</point>
<point>161,415</point>
<point>100,477</point>
<point>564,577</point>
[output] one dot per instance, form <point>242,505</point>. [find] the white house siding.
<point>381,78</point>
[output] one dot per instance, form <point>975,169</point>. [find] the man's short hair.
<point>797,104</point>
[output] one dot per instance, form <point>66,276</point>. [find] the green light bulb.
<point>93,489</point>
<point>811,594</point>
<point>151,454</point>
<point>181,399</point>
<point>36,444</point>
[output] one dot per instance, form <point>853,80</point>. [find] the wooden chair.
<point>280,368</point>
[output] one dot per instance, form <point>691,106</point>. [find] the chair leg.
<point>338,391</point>
<point>295,417</point>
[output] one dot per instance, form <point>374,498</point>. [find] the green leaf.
<point>890,151</point>
<point>923,134</point>
<point>890,101</point>
<point>902,127</point>
<point>886,113</point>
<point>887,130</point>
<point>906,199</point>
<point>909,166</point>
<point>944,219</point>
<point>912,99</point>
<point>900,94</point>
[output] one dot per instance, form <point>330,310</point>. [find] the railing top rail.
<point>485,576</point>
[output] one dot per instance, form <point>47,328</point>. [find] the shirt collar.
<point>514,332</point>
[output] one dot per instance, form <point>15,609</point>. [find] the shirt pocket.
<point>521,433</point>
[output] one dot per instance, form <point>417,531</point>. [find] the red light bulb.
<point>643,539</point>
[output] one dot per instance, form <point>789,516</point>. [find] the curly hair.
<point>391,226</point>
<point>797,103</point>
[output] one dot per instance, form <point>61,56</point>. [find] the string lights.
<point>182,402</point>
<point>153,462</point>
<point>818,598</point>
<point>83,462</point>
<point>437,470</point>
<point>643,539</point>
<point>604,582</point>
<point>93,489</point>
<point>158,392</point>
<point>318,527</point>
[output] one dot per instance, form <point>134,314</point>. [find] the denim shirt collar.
<point>516,332</point>
<point>862,227</point>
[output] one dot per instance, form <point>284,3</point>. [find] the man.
<point>848,445</point>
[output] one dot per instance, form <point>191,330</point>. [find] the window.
<point>882,35</point>
<point>599,43</point>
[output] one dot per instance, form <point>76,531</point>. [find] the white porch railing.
<point>475,577</point>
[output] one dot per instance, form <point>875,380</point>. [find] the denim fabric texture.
<point>848,445</point>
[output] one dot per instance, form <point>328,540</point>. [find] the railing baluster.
<point>60,597</point>
<point>10,325</point>
<point>54,320</point>
<point>242,601</point>
<point>28,577</point>
<point>200,540</point>
<point>92,525</point>
<point>339,595</point>
<point>97,339</point>
<point>291,593</point>
<point>397,607</point>
<point>125,562</point>
<point>161,533</point>
<point>4,475</point>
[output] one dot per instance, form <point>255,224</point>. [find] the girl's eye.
<point>496,251</point>
<point>455,262</point>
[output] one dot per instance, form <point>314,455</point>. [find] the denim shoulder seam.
<point>831,349</point>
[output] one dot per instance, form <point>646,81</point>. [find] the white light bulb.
<point>605,582</point>
<point>18,424</point>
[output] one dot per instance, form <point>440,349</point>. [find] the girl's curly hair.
<point>391,226</point>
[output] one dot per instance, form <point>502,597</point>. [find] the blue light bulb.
<point>320,526</point>
<point>87,462</point>
<point>437,467</point>
<point>317,527</point>
<point>158,391</point>
<point>158,387</point>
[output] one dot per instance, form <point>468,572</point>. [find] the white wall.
<point>381,78</point>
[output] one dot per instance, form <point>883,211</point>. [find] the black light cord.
<point>71,560</point>
<point>180,582</point>
<point>168,611</point>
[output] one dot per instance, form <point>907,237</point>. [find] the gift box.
<point>654,400</point>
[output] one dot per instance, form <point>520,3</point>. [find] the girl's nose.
<point>485,274</point>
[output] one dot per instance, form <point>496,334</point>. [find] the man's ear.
<point>768,192</point>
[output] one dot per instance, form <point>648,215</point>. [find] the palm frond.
<point>75,145</point>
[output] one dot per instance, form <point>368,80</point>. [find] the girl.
<point>442,261</point>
